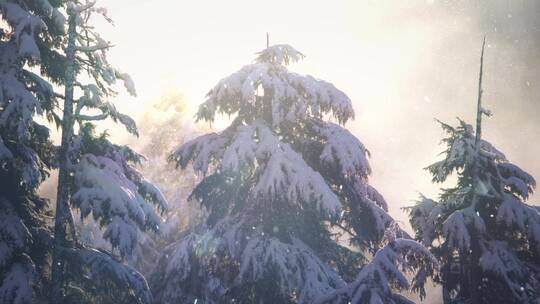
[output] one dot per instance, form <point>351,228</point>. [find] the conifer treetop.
<point>291,96</point>
<point>279,54</point>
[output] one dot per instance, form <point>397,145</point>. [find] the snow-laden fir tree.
<point>280,184</point>
<point>484,233</point>
<point>26,152</point>
<point>96,176</point>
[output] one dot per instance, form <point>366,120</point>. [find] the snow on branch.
<point>299,270</point>
<point>343,150</point>
<point>460,151</point>
<point>17,103</point>
<point>251,256</point>
<point>74,8</point>
<point>290,95</point>
<point>199,255</point>
<point>107,110</point>
<point>40,86</point>
<point>104,269</point>
<point>280,54</point>
<point>129,84</point>
<point>286,175</point>
<point>516,214</point>
<point>16,286</point>
<point>499,259</point>
<point>22,105</point>
<point>381,218</point>
<point>14,234</point>
<point>460,225</point>
<point>317,96</point>
<point>283,172</point>
<point>518,180</point>
<point>201,151</point>
<point>388,269</point>
<point>103,190</point>
<point>46,9</point>
<point>115,115</point>
<point>102,72</point>
<point>25,27</point>
<point>374,195</point>
<point>92,97</point>
<point>92,45</point>
<point>425,216</point>
<point>101,45</point>
<point>17,268</point>
<point>366,202</point>
<point>5,153</point>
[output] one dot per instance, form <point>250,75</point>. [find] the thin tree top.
<point>280,54</point>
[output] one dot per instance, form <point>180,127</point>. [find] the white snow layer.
<point>298,269</point>
<point>373,284</point>
<point>104,191</point>
<point>284,173</point>
<point>25,27</point>
<point>292,96</point>
<point>344,150</point>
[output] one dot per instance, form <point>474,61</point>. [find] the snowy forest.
<point>172,152</point>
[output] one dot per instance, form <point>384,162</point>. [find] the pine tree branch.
<point>92,117</point>
<point>345,229</point>
<point>93,48</point>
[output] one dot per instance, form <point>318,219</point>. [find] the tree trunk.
<point>479,110</point>
<point>473,277</point>
<point>62,201</point>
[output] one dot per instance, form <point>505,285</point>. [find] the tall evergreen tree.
<point>279,183</point>
<point>26,152</point>
<point>96,176</point>
<point>32,58</point>
<point>484,233</point>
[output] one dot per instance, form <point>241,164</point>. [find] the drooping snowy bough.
<point>112,191</point>
<point>387,272</point>
<point>487,237</point>
<point>280,185</point>
<point>26,153</point>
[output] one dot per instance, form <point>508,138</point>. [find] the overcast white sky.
<point>403,63</point>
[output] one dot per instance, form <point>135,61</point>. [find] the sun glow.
<point>402,63</point>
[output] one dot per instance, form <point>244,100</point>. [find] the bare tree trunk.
<point>479,110</point>
<point>473,277</point>
<point>62,201</point>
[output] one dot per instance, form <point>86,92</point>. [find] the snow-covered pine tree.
<point>484,233</point>
<point>26,153</point>
<point>278,185</point>
<point>96,176</point>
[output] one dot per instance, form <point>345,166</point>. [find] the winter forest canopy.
<point>276,186</point>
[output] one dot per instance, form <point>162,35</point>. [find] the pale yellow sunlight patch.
<point>403,63</point>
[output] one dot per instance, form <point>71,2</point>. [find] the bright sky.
<point>403,63</point>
